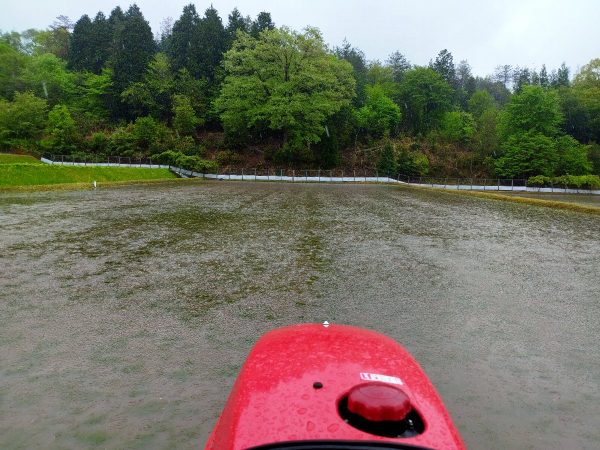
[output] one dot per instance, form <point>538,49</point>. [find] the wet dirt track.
<point>126,313</point>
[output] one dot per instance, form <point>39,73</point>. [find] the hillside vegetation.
<point>243,92</point>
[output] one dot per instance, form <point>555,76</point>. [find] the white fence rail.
<point>327,176</point>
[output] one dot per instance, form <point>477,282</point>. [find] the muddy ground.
<point>126,313</point>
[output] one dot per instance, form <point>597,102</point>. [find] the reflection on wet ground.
<point>126,313</point>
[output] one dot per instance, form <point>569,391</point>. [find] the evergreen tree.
<point>134,48</point>
<point>357,59</point>
<point>81,55</point>
<point>263,22</point>
<point>115,23</point>
<point>544,80</point>
<point>521,77</point>
<point>562,76</point>
<point>101,42</point>
<point>444,65</point>
<point>213,43</point>
<point>237,23</point>
<point>399,64</point>
<point>184,44</point>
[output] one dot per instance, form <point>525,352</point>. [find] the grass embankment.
<point>523,200</point>
<point>7,158</point>
<point>17,171</point>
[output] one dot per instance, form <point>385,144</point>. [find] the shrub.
<point>98,142</point>
<point>387,164</point>
<point>122,142</point>
<point>227,158</point>
<point>413,163</point>
<point>566,181</point>
<point>538,181</point>
<point>62,132</point>
<point>182,161</point>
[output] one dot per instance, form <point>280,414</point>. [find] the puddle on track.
<point>126,313</point>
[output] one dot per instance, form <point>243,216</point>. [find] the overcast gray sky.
<point>486,33</point>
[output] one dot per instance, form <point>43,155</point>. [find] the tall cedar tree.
<point>81,54</point>
<point>444,65</point>
<point>263,22</point>
<point>213,43</point>
<point>134,48</point>
<point>101,42</point>
<point>236,23</point>
<point>184,44</point>
<point>357,60</point>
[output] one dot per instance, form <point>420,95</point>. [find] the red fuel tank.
<point>332,387</point>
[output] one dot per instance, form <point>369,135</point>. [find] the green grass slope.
<point>12,175</point>
<point>6,158</point>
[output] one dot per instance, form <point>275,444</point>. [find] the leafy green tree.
<point>195,90</point>
<point>573,157</point>
<point>47,76</point>
<point>528,129</point>
<point>379,74</point>
<point>184,43</point>
<point>12,64</point>
<point>527,153</point>
<point>133,50</point>
<point>61,131</point>
<point>458,126</point>
<point>184,117</point>
<point>380,115</point>
<point>22,121</point>
<point>496,89</point>
<point>286,81</point>
<point>152,95</point>
<point>485,139</point>
<point>581,103</point>
<point>91,101</point>
<point>534,109</point>
<point>424,97</point>
<point>480,102</point>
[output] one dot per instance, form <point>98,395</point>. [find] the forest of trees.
<point>245,92</point>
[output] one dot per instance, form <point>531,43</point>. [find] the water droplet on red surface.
<point>310,426</point>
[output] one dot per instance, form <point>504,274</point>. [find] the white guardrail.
<point>329,179</point>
